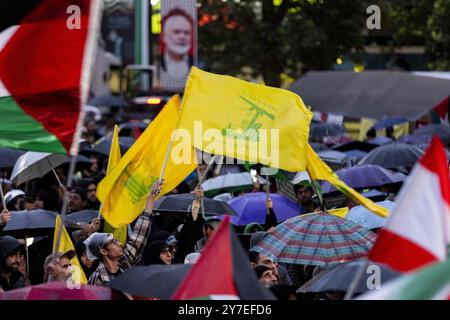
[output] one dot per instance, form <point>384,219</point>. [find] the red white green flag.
<point>418,231</point>
<point>46,49</point>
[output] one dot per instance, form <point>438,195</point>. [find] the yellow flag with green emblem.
<point>114,158</point>
<point>319,170</point>
<point>126,188</point>
<point>244,120</point>
<point>65,244</point>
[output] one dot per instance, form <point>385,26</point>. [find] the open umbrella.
<point>389,122</point>
<point>317,146</point>
<point>355,145</point>
<point>320,130</point>
<point>154,281</point>
<point>58,291</point>
<point>364,176</point>
<point>32,165</point>
<point>368,219</point>
<point>332,156</point>
<point>393,155</point>
<point>339,277</point>
<point>317,239</point>
<point>84,216</point>
<point>108,101</point>
<point>8,157</point>
<point>181,203</point>
<point>103,146</point>
<point>251,207</point>
<point>381,140</point>
<point>433,129</point>
<point>414,139</point>
<point>230,182</point>
<point>32,223</point>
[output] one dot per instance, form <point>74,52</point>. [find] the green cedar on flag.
<point>46,50</point>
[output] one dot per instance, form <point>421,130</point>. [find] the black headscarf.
<point>154,250</point>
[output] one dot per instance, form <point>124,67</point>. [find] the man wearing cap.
<point>10,276</point>
<point>114,259</point>
<point>15,199</point>
<point>57,266</point>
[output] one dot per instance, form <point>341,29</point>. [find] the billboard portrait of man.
<point>177,45</point>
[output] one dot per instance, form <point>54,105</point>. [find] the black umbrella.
<point>339,277</point>
<point>32,223</point>
<point>321,130</point>
<point>154,281</point>
<point>317,146</point>
<point>8,157</point>
<point>82,163</point>
<point>84,216</point>
<point>434,129</point>
<point>108,100</point>
<point>393,155</point>
<point>355,145</point>
<point>181,203</point>
<point>104,146</point>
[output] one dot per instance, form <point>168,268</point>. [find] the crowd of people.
<point>152,239</point>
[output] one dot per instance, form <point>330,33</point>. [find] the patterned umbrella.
<point>317,239</point>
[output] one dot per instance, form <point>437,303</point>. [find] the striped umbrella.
<point>317,239</point>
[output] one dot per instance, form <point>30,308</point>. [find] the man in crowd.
<point>305,196</point>
<point>10,256</point>
<point>265,275</point>
<point>77,200</point>
<point>57,266</point>
<point>115,260</point>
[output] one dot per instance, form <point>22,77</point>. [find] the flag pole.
<point>65,202</point>
<point>316,190</point>
<point>3,196</point>
<point>267,192</point>
<point>166,158</point>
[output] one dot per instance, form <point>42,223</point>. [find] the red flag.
<point>223,271</point>
<point>45,62</point>
<point>417,233</point>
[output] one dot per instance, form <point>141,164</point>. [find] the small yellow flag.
<point>339,212</point>
<point>126,188</point>
<point>65,244</point>
<point>114,158</point>
<point>247,121</point>
<point>319,170</point>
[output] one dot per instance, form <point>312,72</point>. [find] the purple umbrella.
<point>251,207</point>
<point>364,176</point>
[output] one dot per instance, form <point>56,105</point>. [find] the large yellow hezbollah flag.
<point>65,244</point>
<point>114,158</point>
<point>247,121</point>
<point>125,189</point>
<point>319,170</point>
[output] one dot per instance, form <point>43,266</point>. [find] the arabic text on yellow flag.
<point>319,170</point>
<point>126,188</point>
<point>237,116</point>
<point>65,244</point>
<point>114,158</point>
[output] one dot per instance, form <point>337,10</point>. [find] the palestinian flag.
<point>223,272</point>
<point>46,50</point>
<point>431,283</point>
<point>440,112</point>
<point>417,233</point>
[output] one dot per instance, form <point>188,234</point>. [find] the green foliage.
<point>272,38</point>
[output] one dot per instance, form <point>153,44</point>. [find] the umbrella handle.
<point>356,279</point>
<point>3,196</point>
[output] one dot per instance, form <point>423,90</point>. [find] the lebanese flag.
<point>223,272</point>
<point>417,233</point>
<point>46,50</point>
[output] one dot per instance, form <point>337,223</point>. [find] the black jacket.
<point>9,245</point>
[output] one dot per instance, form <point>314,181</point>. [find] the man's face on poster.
<point>177,35</point>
